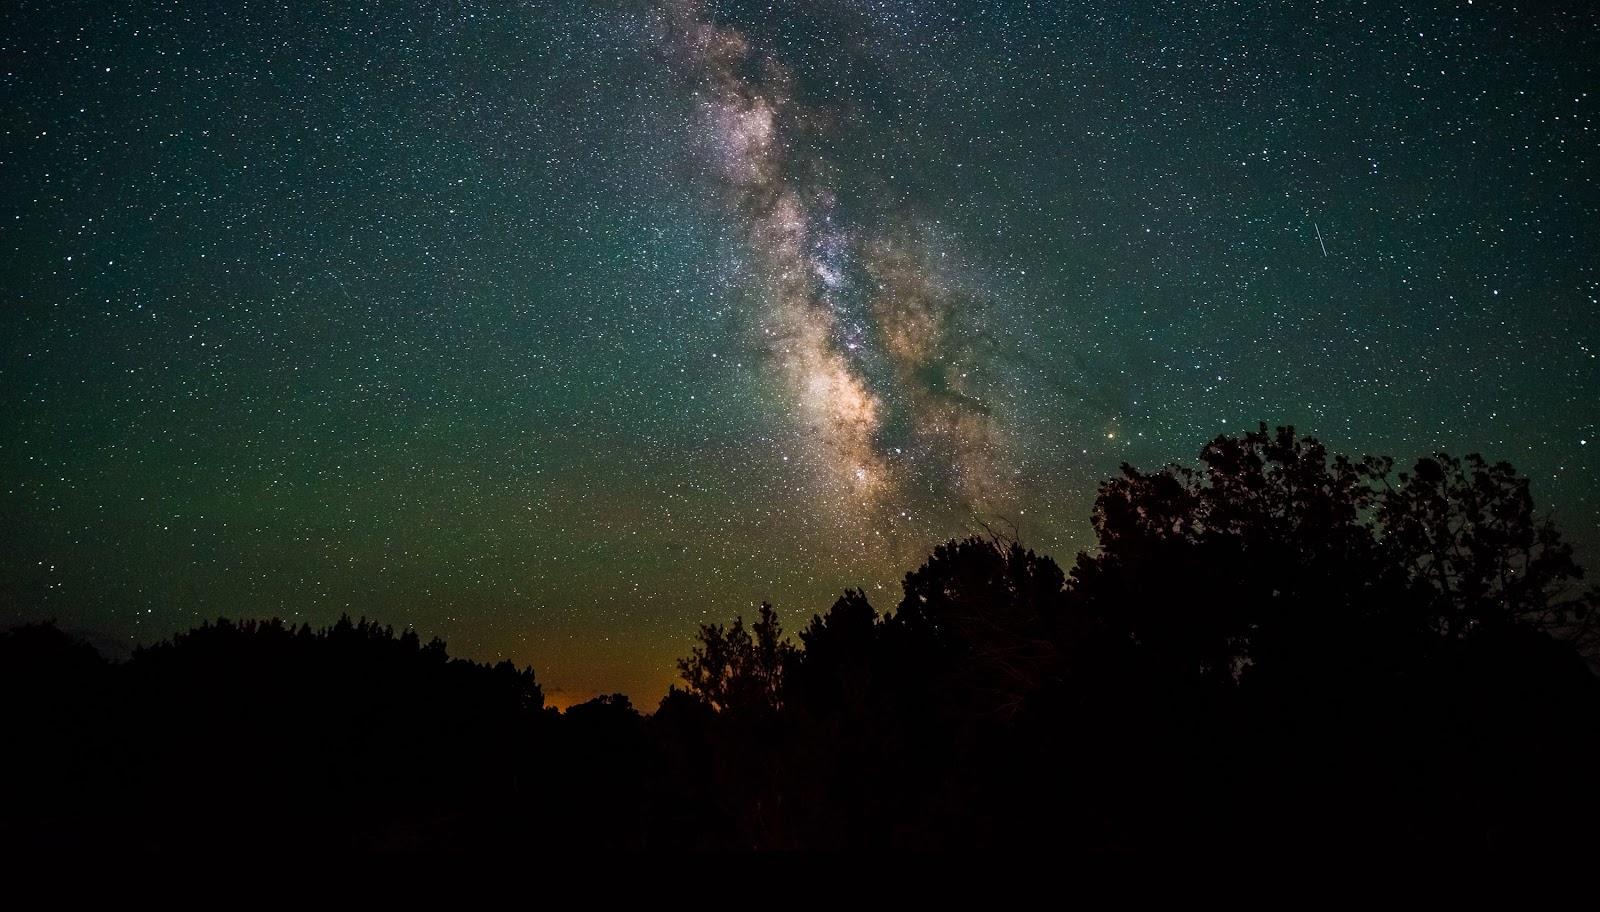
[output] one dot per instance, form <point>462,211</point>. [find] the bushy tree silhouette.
<point>1465,530</point>
<point>1306,631</point>
<point>736,669</point>
<point>989,608</point>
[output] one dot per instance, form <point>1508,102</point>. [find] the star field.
<point>557,328</point>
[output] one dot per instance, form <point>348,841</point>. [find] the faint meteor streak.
<point>1319,238</point>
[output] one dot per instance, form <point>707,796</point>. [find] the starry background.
<point>458,315</point>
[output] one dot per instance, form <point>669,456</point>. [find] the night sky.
<point>557,328</point>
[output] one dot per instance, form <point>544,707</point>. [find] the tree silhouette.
<point>834,670</point>
<point>1465,531</point>
<point>739,670</point>
<point>1278,649</point>
<point>1202,574</point>
<point>1288,618</point>
<point>989,608</point>
<point>1273,539</point>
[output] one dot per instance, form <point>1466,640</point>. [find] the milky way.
<point>833,297</point>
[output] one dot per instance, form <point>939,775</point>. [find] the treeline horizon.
<point>1280,648</point>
